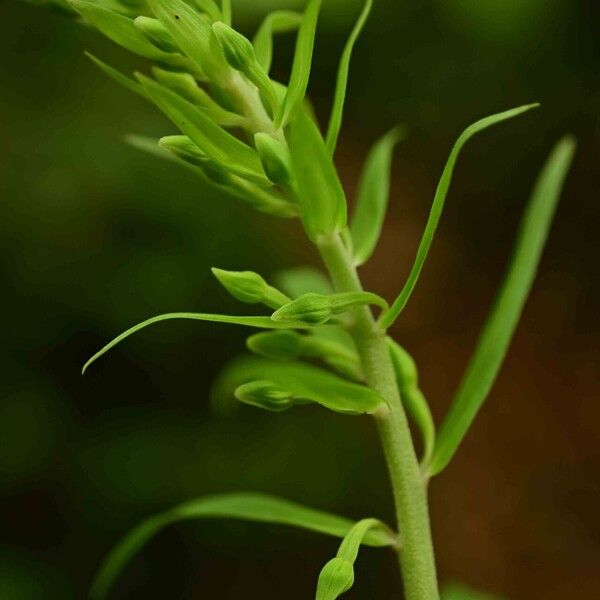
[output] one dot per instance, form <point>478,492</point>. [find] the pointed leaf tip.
<point>438,205</point>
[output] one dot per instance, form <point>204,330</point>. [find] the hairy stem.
<point>416,557</point>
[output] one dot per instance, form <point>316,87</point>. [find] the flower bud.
<point>275,158</point>
<point>239,54</point>
<point>336,577</point>
<point>250,287</point>
<point>237,49</point>
<point>312,309</point>
<point>183,148</point>
<point>156,33</point>
<point>265,394</point>
<point>280,345</point>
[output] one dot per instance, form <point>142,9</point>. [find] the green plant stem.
<point>416,557</point>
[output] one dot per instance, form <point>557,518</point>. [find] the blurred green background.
<point>95,236</point>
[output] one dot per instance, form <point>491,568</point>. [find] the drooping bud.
<point>250,287</point>
<point>317,309</point>
<point>281,345</point>
<point>275,159</point>
<point>265,394</point>
<point>156,33</point>
<point>336,577</point>
<point>239,54</point>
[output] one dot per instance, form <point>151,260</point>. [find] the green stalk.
<point>416,557</point>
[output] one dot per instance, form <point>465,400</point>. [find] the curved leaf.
<point>260,322</point>
<point>130,84</point>
<point>243,506</point>
<point>337,111</point>
<point>438,206</point>
<point>320,193</point>
<point>301,65</point>
<point>279,21</point>
<point>373,195</point>
<point>502,321</point>
<point>337,576</point>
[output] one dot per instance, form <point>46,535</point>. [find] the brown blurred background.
<point>95,236</point>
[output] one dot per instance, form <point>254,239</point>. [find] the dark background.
<point>95,236</point>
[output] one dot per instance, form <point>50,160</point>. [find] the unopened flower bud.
<point>183,148</point>
<point>237,49</point>
<point>281,345</point>
<point>336,577</point>
<point>317,309</point>
<point>250,287</point>
<point>275,158</point>
<point>312,309</point>
<point>265,394</point>
<point>156,33</point>
<point>239,54</point>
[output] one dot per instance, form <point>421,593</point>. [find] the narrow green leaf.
<point>119,28</point>
<point>305,383</point>
<point>373,195</point>
<point>241,506</point>
<point>279,21</point>
<point>260,322</point>
<point>438,206</point>
<point>130,84</point>
<point>320,194</point>
<point>337,576</point>
<point>337,111</point>
<point>412,397</point>
<point>317,309</point>
<point>301,65</point>
<point>219,145</point>
<point>502,321</point>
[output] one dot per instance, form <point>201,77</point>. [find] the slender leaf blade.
<point>279,21</point>
<point>301,65</point>
<point>337,111</point>
<point>242,506</point>
<point>260,322</point>
<point>504,317</point>
<point>373,196</point>
<point>320,194</point>
<point>126,82</point>
<point>438,206</point>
